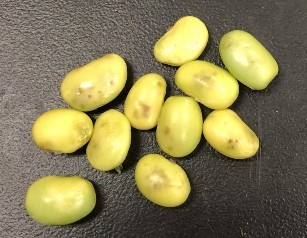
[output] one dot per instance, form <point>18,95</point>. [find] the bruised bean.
<point>95,84</point>
<point>144,101</point>
<point>208,84</point>
<point>162,181</point>
<point>228,134</point>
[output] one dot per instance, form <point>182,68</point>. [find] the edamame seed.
<point>110,142</point>
<point>179,127</point>
<point>247,59</point>
<point>228,134</point>
<point>207,83</point>
<point>62,130</point>
<point>95,84</point>
<point>144,101</point>
<point>58,200</point>
<point>185,41</point>
<point>161,181</point>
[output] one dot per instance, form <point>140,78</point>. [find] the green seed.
<point>247,59</point>
<point>57,200</point>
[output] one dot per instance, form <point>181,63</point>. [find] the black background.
<point>264,196</point>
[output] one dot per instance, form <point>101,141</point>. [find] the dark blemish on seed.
<point>145,109</point>
<point>89,96</point>
<point>102,124</point>
<point>111,82</point>
<point>159,83</point>
<point>166,130</point>
<point>170,148</point>
<point>95,145</point>
<point>80,90</point>
<point>99,92</point>
<point>228,44</point>
<point>232,143</point>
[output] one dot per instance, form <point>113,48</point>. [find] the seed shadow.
<point>81,151</point>
<point>210,45</point>
<point>134,150</point>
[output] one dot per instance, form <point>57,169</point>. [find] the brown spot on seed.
<point>166,130</point>
<point>80,90</point>
<point>228,44</point>
<point>232,143</point>
<point>159,83</point>
<point>145,109</point>
<point>111,82</point>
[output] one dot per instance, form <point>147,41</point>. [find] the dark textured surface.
<point>261,197</point>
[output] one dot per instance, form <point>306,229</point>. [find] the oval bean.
<point>247,59</point>
<point>144,101</point>
<point>228,134</point>
<point>183,42</point>
<point>62,130</point>
<point>179,127</point>
<point>95,84</point>
<point>110,142</point>
<point>207,83</point>
<point>57,200</point>
<point>161,181</point>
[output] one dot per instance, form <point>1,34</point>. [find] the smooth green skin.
<point>162,181</point>
<point>57,200</point>
<point>183,42</point>
<point>62,130</point>
<point>95,84</point>
<point>110,142</point>
<point>144,101</point>
<point>247,59</point>
<point>208,84</point>
<point>225,131</point>
<point>179,127</point>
